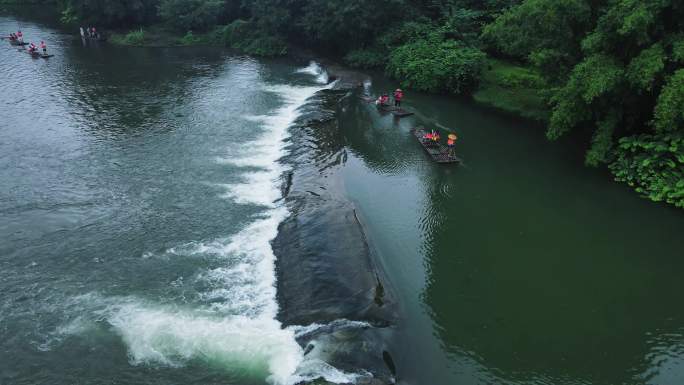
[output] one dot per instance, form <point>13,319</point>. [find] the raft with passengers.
<point>32,50</point>
<point>383,103</point>
<point>17,39</point>
<point>431,142</point>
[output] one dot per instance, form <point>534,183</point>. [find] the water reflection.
<point>113,90</point>
<point>535,298</point>
<point>537,270</point>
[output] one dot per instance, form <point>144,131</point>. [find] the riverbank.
<point>504,86</point>
<point>239,35</point>
<point>160,36</point>
<point>512,88</point>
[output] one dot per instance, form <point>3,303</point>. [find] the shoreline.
<point>505,87</point>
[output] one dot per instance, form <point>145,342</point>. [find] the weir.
<point>325,269</point>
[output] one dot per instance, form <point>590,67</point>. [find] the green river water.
<point>139,193</point>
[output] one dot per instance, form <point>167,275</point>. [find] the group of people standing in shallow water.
<point>18,39</point>
<point>90,32</point>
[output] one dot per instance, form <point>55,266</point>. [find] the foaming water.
<point>244,283</point>
<point>260,187</point>
<point>172,337</point>
<point>316,70</point>
<point>236,325</point>
<point>249,346</point>
<point>185,277</point>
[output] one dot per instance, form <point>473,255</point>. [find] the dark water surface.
<point>140,190</point>
<point>521,266</point>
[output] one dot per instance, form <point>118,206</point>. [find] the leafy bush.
<point>190,39</point>
<point>187,15</point>
<point>597,79</point>
<point>543,31</point>
<point>110,13</point>
<point>513,76</point>
<point>265,46</point>
<point>343,25</point>
<point>237,31</point>
<point>437,66</point>
<point>378,54</point>
<point>366,58</point>
<point>518,89</point>
<point>653,165</point>
<point>669,111</point>
<point>68,16</point>
<point>243,35</point>
<point>409,32</point>
<point>135,37</point>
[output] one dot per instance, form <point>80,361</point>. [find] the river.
<point>194,216</point>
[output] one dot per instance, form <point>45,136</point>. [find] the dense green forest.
<point>608,70</point>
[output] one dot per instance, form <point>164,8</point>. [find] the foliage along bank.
<point>609,68</point>
<point>616,68</point>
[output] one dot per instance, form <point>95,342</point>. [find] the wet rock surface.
<point>327,280</point>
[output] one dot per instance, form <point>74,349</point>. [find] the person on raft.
<point>398,95</point>
<point>12,37</point>
<point>20,37</point>
<point>43,46</point>
<point>382,100</point>
<point>451,143</point>
<point>32,48</point>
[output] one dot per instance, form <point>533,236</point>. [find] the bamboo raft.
<point>18,43</point>
<point>396,111</point>
<point>437,151</point>
<point>40,55</point>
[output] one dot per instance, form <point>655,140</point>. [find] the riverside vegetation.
<point>609,70</point>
